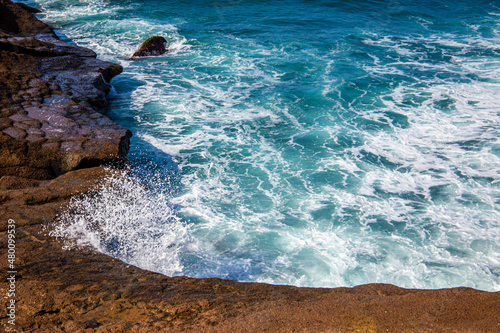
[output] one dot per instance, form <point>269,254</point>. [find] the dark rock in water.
<point>153,46</point>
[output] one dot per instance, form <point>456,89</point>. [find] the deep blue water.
<point>312,143</point>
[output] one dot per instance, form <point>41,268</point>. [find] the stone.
<point>77,290</point>
<point>29,8</point>
<point>153,46</point>
<point>32,61</point>
<point>20,196</point>
<point>70,289</point>
<point>15,133</point>
<point>19,20</point>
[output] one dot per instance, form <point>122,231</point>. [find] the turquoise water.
<point>312,143</point>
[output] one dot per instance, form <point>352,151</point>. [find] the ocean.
<point>307,142</point>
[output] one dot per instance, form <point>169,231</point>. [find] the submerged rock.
<point>153,46</point>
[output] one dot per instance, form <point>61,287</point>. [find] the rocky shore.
<point>54,144</point>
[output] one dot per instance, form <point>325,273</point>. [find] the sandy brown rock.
<point>31,202</point>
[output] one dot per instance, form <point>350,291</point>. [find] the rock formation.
<point>152,46</point>
<point>49,95</point>
<point>53,144</point>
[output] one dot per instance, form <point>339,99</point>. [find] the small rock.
<point>28,8</point>
<point>153,46</point>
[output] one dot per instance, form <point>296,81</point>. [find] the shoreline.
<point>54,144</point>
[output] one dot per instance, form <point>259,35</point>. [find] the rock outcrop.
<point>152,46</point>
<point>50,92</point>
<point>53,144</point>
<point>33,202</point>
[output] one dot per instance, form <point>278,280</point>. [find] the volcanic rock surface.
<point>53,145</point>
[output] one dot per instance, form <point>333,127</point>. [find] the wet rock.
<point>153,46</point>
<point>18,20</point>
<point>31,202</point>
<point>29,8</point>
<point>44,48</point>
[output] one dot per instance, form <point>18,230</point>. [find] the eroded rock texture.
<point>50,92</point>
<point>84,291</point>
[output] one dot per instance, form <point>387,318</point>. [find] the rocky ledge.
<point>49,95</point>
<point>53,145</point>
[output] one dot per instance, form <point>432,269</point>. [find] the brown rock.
<point>31,201</point>
<point>18,20</point>
<point>79,290</point>
<point>29,8</point>
<point>152,46</point>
